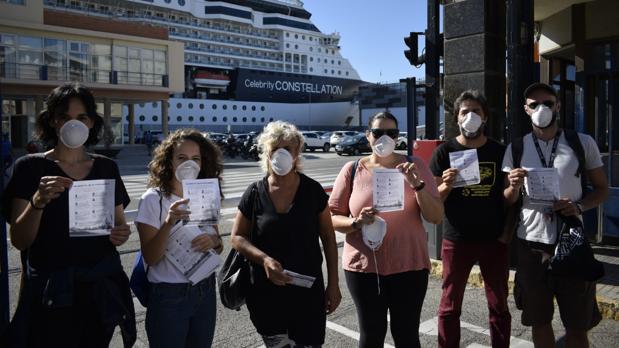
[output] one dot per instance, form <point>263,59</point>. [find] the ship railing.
<point>42,72</point>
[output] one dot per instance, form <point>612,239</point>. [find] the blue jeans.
<point>181,315</point>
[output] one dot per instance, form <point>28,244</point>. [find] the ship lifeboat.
<point>211,80</point>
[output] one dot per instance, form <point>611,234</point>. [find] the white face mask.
<point>188,170</point>
<point>384,146</point>
<point>374,233</point>
<point>74,134</point>
<point>281,162</point>
<point>542,116</point>
<point>472,122</point>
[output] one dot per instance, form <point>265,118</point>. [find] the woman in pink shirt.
<point>394,276</point>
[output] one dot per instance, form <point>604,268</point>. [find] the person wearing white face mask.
<point>179,314</point>
<point>575,156</point>
<point>278,226</point>
<point>385,255</point>
<point>473,228</point>
<point>61,298</point>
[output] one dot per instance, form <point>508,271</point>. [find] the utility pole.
<point>432,80</point>
<point>411,113</point>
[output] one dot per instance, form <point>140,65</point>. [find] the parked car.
<point>402,142</point>
<point>218,138</point>
<point>336,136</point>
<point>313,141</point>
<point>157,137</point>
<point>353,145</point>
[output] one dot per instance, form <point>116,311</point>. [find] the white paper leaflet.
<point>91,208</point>
<point>204,200</point>
<point>542,185</point>
<point>467,164</point>
<point>388,190</point>
<point>301,280</point>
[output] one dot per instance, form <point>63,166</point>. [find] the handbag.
<point>573,255</point>
<point>234,278</point>
<point>138,282</point>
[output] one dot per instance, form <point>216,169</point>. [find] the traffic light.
<point>411,53</point>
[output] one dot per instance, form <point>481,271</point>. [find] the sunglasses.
<point>548,103</point>
<point>379,132</point>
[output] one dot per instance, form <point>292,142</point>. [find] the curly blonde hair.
<point>161,170</point>
<point>272,134</point>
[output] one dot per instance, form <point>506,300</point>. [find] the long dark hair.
<point>386,115</point>
<point>57,104</point>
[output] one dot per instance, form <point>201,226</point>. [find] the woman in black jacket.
<point>75,291</point>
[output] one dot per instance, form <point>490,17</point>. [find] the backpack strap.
<point>353,171</point>
<point>517,149</point>
<point>573,141</point>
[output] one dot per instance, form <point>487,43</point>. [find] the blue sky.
<point>372,33</point>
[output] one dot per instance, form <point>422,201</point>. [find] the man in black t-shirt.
<point>473,228</point>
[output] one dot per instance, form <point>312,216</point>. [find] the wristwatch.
<point>420,187</point>
<point>580,207</point>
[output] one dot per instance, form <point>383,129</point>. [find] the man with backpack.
<point>574,157</point>
<point>474,222</point>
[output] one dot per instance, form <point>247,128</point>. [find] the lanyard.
<point>553,153</point>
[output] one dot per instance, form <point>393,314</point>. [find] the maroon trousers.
<point>458,259</point>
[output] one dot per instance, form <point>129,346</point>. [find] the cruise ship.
<point>247,62</point>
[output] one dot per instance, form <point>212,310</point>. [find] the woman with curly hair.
<point>179,314</point>
<point>74,291</point>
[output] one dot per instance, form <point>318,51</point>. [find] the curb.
<point>609,308</point>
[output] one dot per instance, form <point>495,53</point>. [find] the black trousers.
<point>402,294</point>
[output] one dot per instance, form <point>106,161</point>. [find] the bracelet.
<point>34,206</point>
<point>420,187</point>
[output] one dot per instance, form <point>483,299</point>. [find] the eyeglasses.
<point>548,103</point>
<point>379,132</point>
